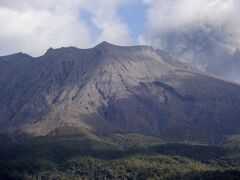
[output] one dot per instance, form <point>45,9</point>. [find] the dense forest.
<point>130,156</point>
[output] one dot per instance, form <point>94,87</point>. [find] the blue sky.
<point>134,15</point>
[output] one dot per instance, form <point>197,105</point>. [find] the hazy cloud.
<point>205,33</point>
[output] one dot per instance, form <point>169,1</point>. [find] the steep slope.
<point>112,89</point>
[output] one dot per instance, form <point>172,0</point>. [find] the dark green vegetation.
<point>66,154</point>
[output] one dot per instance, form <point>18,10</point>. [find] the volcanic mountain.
<point>114,89</point>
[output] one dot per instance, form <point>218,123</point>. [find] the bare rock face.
<point>109,89</point>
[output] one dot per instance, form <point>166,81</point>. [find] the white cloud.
<point>33,31</point>
<point>106,19</point>
<point>205,33</point>
<point>34,26</point>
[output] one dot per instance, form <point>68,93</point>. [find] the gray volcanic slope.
<point>109,89</point>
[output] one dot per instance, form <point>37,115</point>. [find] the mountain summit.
<point>115,89</point>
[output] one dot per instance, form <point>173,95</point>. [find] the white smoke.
<point>202,32</point>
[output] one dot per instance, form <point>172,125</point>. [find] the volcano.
<point>115,89</point>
